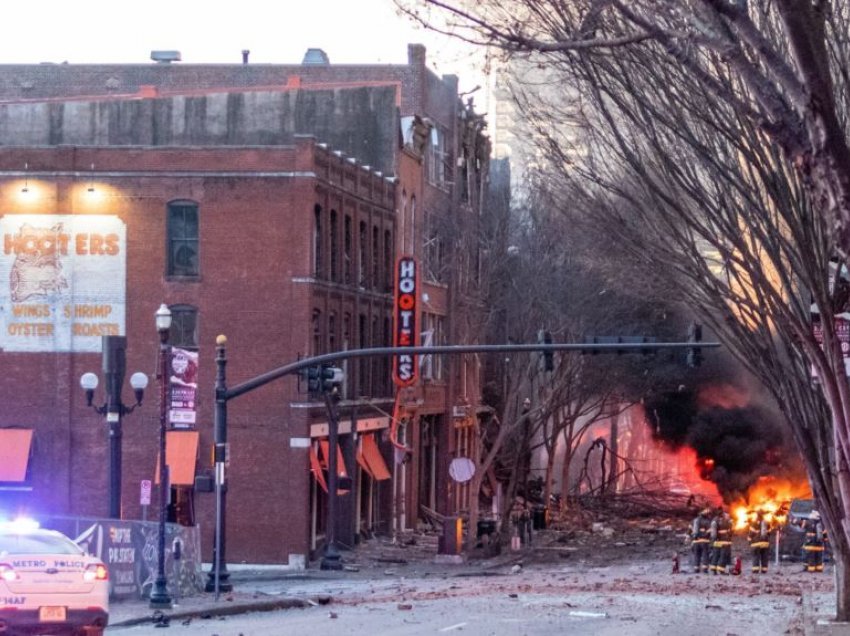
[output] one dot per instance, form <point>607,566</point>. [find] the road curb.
<point>221,610</point>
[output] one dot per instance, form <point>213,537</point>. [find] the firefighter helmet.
<point>814,514</point>
<point>705,512</point>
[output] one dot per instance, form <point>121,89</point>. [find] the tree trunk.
<point>547,483</point>
<point>842,587</point>
<point>613,446</point>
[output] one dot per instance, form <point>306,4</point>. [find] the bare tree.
<point>689,191</point>
<point>789,60</point>
<point>718,159</point>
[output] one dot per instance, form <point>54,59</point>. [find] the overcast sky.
<point>206,31</point>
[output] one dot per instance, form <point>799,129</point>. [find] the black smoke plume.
<point>734,446</point>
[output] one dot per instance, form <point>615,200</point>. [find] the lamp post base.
<point>332,559</point>
<point>160,598</point>
<point>224,584</point>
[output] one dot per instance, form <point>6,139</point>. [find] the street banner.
<point>184,387</point>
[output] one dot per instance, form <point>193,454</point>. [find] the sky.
<point>215,31</point>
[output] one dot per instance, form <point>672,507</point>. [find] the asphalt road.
<point>546,600</point>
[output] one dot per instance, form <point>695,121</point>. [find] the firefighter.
<point>813,546</point>
<point>701,540</point>
<point>758,534</point>
<point>721,542</point>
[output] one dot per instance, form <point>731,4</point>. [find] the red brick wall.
<point>255,237</point>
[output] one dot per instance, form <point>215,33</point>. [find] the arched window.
<point>182,228</point>
<point>334,249</point>
<point>363,264</point>
<point>388,261</point>
<point>376,257</point>
<point>184,326</point>
<point>318,240</point>
<point>346,240</point>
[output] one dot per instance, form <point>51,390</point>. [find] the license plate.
<point>51,613</point>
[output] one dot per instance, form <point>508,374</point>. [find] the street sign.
<point>145,492</point>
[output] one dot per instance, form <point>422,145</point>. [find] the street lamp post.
<point>218,578</point>
<point>160,598</point>
<point>114,364</point>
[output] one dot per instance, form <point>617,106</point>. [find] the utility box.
<point>451,541</point>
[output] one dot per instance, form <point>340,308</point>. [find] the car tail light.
<point>96,572</point>
<point>7,572</point>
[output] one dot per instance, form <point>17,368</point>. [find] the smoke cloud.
<point>735,442</point>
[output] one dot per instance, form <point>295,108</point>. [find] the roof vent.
<point>165,57</point>
<point>315,57</point>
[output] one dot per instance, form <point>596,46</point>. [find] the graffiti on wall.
<point>129,549</point>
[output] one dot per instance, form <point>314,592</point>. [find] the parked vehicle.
<point>791,536</point>
<point>48,584</point>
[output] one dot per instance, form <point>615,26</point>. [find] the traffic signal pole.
<point>218,576</point>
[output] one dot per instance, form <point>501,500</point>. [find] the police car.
<point>48,585</point>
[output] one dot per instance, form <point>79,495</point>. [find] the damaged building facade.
<point>268,204</point>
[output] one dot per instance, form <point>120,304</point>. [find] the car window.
<point>32,543</point>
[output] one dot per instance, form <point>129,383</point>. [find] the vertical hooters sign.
<point>406,332</point>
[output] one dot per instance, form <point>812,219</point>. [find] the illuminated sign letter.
<point>405,319</point>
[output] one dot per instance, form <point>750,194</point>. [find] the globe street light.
<point>114,364</point>
<point>160,598</point>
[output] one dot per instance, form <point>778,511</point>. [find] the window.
<point>388,261</point>
<point>376,257</point>
<point>334,246</point>
<point>362,277</point>
<point>318,254</point>
<point>433,335</point>
<point>347,248</point>
<point>363,364</point>
<point>182,229</point>
<point>434,253</point>
<point>317,332</point>
<point>438,157</point>
<point>331,332</point>
<point>376,388</point>
<point>184,327</point>
<point>347,365</point>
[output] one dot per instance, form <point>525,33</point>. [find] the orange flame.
<point>772,495</point>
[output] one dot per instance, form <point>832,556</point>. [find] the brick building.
<point>294,240</point>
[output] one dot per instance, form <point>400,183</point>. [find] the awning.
<point>324,447</point>
<point>15,446</point>
<point>181,454</point>
<point>316,469</point>
<point>361,460</point>
<point>372,456</point>
<point>340,461</point>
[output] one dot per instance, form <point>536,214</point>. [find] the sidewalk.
<point>202,604</point>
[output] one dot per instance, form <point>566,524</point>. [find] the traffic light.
<point>544,337</point>
<point>311,374</point>
<point>694,353</point>
<point>332,378</point>
<point>322,379</point>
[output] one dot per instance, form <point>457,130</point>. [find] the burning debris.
<point>736,445</point>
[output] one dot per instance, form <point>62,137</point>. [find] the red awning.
<point>340,460</point>
<point>15,446</point>
<point>361,459</point>
<point>372,455</point>
<point>316,469</point>
<point>181,455</point>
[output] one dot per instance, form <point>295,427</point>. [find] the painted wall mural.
<point>62,281</point>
